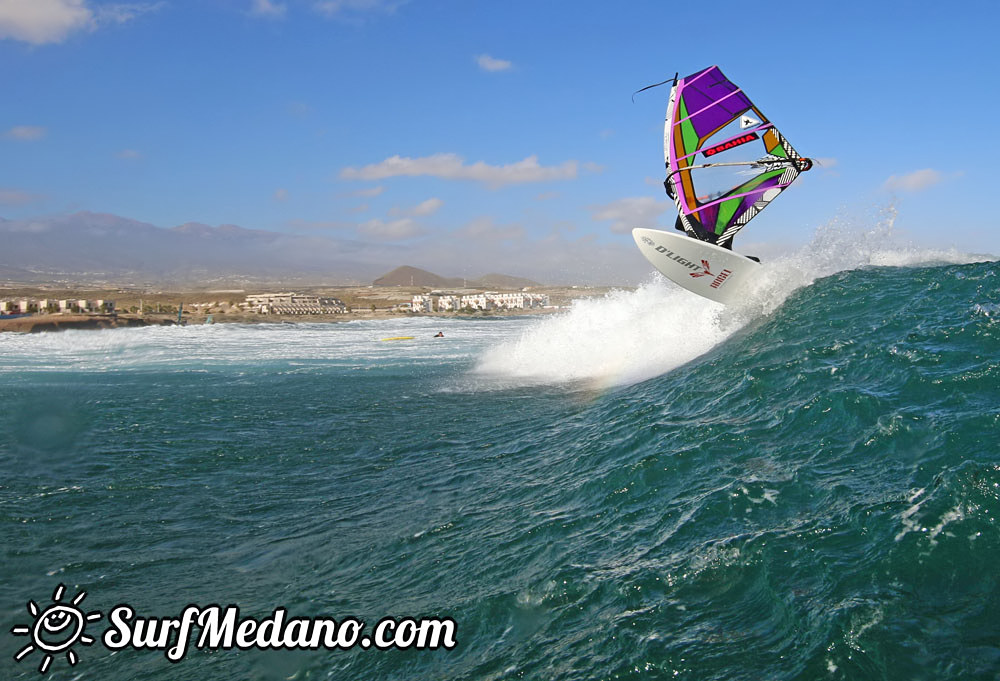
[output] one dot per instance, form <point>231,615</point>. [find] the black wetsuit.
<point>700,232</point>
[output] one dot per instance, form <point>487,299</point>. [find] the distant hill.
<point>414,276</point>
<point>98,246</point>
<point>103,249</point>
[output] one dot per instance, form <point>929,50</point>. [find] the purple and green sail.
<point>725,160</point>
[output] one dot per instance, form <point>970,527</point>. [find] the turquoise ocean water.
<point>643,487</point>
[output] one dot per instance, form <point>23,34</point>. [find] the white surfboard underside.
<point>703,268</point>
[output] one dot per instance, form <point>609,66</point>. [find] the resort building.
<point>422,304</point>
<point>477,301</point>
<point>447,303</point>
<point>49,305</point>
<point>293,303</point>
<point>518,300</point>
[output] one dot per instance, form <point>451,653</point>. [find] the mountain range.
<point>102,247</point>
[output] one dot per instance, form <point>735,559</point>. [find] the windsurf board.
<point>698,266</point>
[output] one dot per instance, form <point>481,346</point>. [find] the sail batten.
<point>690,116</point>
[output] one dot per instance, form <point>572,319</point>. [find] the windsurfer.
<point>697,231</point>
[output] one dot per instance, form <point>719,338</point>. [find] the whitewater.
<point>647,485</point>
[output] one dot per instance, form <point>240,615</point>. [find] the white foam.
<point>283,347</point>
<point>629,336</point>
<point>624,337</point>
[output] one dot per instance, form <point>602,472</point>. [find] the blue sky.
<point>504,127</point>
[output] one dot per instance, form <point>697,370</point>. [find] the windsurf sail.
<point>725,160</point>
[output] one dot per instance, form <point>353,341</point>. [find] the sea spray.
<point>624,337</point>
<point>629,336</point>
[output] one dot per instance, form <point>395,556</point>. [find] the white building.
<point>422,303</point>
<point>293,303</point>
<point>478,301</point>
<point>50,305</point>
<point>448,303</point>
<point>519,300</point>
<point>489,300</point>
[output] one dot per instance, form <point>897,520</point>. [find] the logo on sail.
<point>729,144</point>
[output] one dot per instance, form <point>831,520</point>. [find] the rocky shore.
<point>61,322</point>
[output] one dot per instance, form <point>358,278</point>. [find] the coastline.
<point>38,323</point>
<point>41,323</point>
<point>365,303</point>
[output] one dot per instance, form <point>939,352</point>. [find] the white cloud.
<point>488,63</point>
<point>281,195</point>
<point>25,133</point>
<point>627,214</point>
<point>484,229</point>
<point>17,197</point>
<point>558,258</point>
<point>916,181</point>
<point>828,166</point>
<point>369,193</point>
<point>343,8</point>
<point>129,155</point>
<point>453,167</point>
<point>43,21</point>
<point>393,230</point>
<point>52,21</point>
<point>300,226</point>
<point>266,8</point>
<point>422,209</point>
<point>125,12</point>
